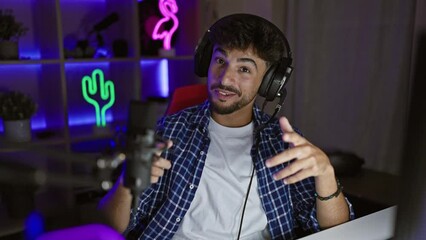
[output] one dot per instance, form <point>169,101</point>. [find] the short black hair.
<point>241,31</point>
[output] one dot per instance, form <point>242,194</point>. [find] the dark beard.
<point>232,108</point>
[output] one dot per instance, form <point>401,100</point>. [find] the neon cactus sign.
<point>168,8</point>
<point>96,84</point>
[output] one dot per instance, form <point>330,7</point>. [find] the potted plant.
<point>10,32</point>
<point>16,110</point>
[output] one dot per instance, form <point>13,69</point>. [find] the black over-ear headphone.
<point>275,79</point>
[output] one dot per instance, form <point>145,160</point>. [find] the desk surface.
<point>372,185</point>
<point>376,226</point>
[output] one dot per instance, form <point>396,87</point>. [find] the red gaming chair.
<point>187,96</point>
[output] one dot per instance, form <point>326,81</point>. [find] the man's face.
<point>234,78</point>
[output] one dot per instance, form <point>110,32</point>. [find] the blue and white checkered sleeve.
<point>305,205</point>
<point>303,199</point>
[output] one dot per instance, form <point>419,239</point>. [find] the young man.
<point>223,176</point>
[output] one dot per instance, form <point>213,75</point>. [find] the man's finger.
<point>291,169</point>
<point>162,163</point>
<point>294,138</point>
<point>297,152</point>
<point>157,172</point>
<point>298,176</point>
<point>154,179</point>
<point>285,125</point>
<point>169,143</point>
<point>163,145</point>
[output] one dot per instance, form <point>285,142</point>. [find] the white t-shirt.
<point>215,212</point>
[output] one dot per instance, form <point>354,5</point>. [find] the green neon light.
<point>90,87</point>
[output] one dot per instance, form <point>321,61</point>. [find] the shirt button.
<point>202,152</point>
<point>177,219</point>
<point>191,186</point>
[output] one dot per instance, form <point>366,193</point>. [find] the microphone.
<point>282,95</point>
<point>141,147</point>
<point>106,22</point>
<point>137,176</point>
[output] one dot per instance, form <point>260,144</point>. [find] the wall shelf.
<point>186,57</point>
<point>54,81</point>
<point>29,62</point>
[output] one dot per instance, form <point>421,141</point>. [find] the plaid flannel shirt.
<point>164,204</point>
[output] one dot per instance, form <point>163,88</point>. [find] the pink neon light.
<point>168,8</point>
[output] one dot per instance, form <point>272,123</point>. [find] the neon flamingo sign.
<point>168,8</point>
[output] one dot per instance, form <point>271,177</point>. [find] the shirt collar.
<point>201,118</point>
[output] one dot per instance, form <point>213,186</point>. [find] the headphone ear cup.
<point>266,82</point>
<point>202,56</point>
<point>275,79</point>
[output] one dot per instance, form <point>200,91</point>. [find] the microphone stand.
<point>12,173</point>
<point>138,165</point>
<point>101,51</point>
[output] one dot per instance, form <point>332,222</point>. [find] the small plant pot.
<point>18,130</point>
<point>9,50</point>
